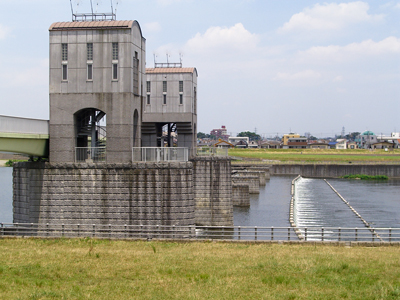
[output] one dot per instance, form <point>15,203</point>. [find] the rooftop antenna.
<point>154,55</point>
<point>180,58</point>
<point>72,10</point>
<point>112,9</point>
<point>91,6</point>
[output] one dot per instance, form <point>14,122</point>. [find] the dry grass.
<point>101,269</point>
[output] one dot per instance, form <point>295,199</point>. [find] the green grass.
<point>317,155</point>
<point>102,269</point>
<point>9,163</point>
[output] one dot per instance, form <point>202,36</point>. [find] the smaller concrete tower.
<point>170,107</point>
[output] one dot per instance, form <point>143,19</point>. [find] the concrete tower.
<point>170,107</point>
<point>97,75</point>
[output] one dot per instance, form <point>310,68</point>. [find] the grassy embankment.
<point>101,269</point>
<point>329,156</point>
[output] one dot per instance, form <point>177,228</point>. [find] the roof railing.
<point>93,17</point>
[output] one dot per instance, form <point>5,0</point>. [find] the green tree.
<point>252,135</point>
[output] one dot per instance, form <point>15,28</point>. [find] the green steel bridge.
<point>24,136</point>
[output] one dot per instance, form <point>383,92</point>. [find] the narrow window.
<point>148,86</point>
<point>180,86</point>
<point>148,99</point>
<point>90,72</point>
<point>115,71</point>
<point>90,51</point>
<point>195,101</point>
<point>64,52</point>
<point>180,99</point>
<point>165,99</point>
<point>65,72</point>
<point>164,86</point>
<point>136,74</point>
<point>115,51</point>
<point>64,58</point>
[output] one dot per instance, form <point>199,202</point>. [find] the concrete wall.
<point>260,174</point>
<point>252,181</point>
<point>213,191</point>
<point>240,195</point>
<point>118,194</point>
<point>335,171</point>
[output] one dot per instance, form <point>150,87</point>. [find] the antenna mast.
<point>72,10</point>
<point>91,6</point>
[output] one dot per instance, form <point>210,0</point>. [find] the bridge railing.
<point>156,154</point>
<point>90,154</point>
<point>234,233</point>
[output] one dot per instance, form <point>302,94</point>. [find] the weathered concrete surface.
<point>240,195</point>
<point>118,194</point>
<point>252,181</point>
<point>250,167</point>
<point>260,174</point>
<point>335,171</point>
<point>213,191</point>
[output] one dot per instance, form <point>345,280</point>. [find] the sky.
<point>267,66</point>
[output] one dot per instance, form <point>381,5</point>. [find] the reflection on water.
<point>6,195</point>
<point>269,208</point>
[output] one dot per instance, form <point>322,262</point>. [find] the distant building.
<point>341,143</point>
<point>383,145</point>
<point>270,144</point>
<point>318,145</point>
<point>366,139</point>
<point>253,144</point>
<point>296,143</point>
<point>235,140</point>
<point>352,145</point>
<point>286,137</point>
<point>223,144</point>
<point>220,133</point>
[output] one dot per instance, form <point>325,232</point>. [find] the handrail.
<point>245,233</point>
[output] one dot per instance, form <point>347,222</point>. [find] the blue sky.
<point>274,66</point>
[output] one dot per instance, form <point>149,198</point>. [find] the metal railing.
<point>211,151</point>
<point>234,233</point>
<point>156,154</point>
<point>90,154</point>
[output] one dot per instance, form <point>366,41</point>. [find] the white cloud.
<point>235,38</point>
<point>329,16</point>
<point>152,27</point>
<point>390,45</point>
<point>303,75</point>
<point>3,32</point>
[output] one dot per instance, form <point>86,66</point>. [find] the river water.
<point>316,204</point>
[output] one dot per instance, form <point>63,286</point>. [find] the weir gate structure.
<point>121,139</point>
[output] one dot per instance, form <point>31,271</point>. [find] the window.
<point>65,72</point>
<point>90,51</point>
<point>64,58</point>
<point>136,74</point>
<point>148,99</point>
<point>165,99</point>
<point>148,86</point>
<point>180,99</point>
<point>64,52</point>
<point>180,86</point>
<point>115,51</point>
<point>115,71</point>
<point>164,86</point>
<point>195,101</point>
<point>89,72</point>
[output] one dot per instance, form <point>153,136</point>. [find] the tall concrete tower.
<point>97,75</point>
